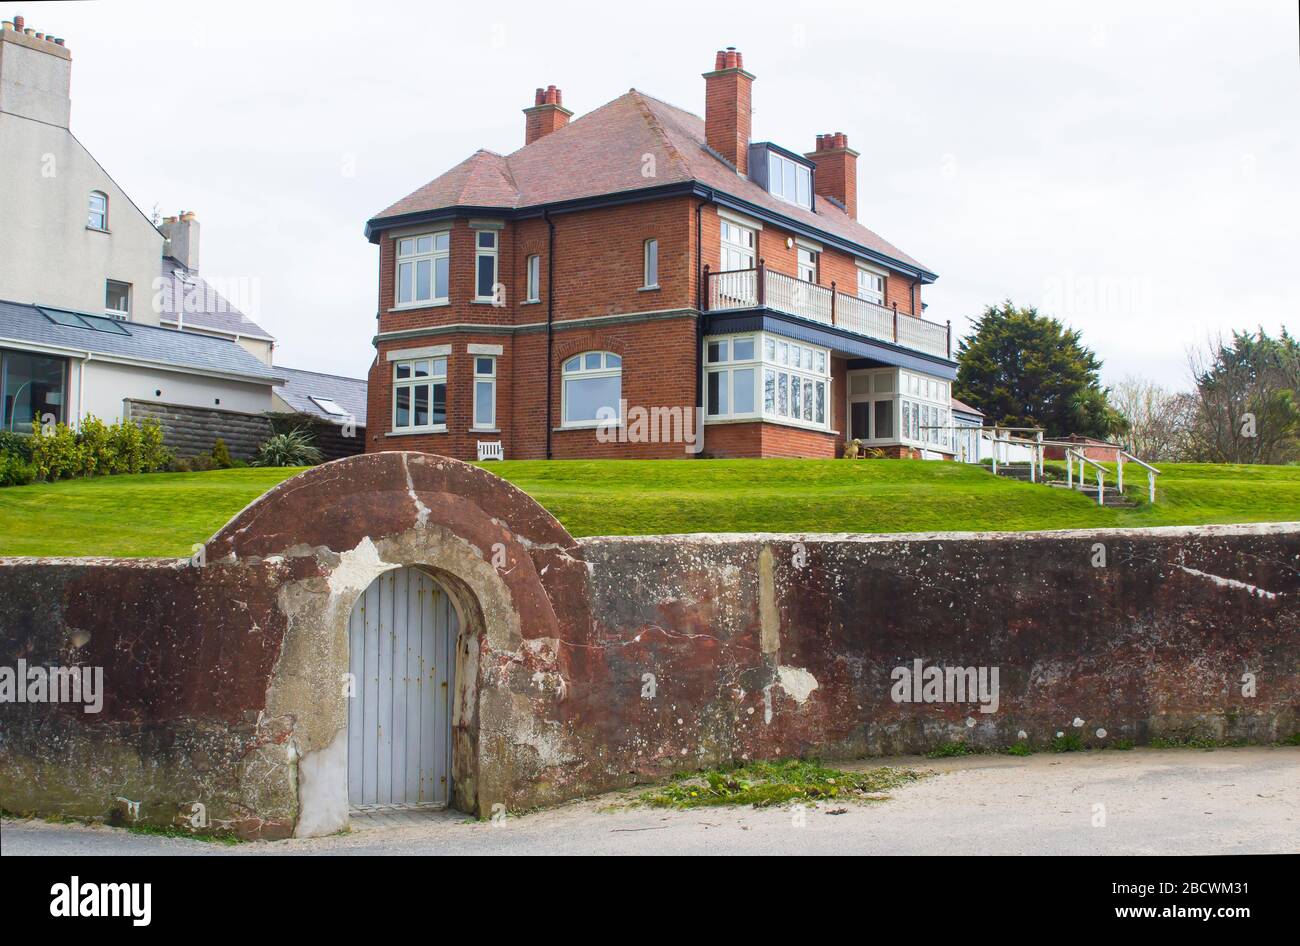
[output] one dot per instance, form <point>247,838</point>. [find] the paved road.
<point>1229,801</point>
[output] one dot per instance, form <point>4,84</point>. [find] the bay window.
<point>422,269</point>
<point>766,377</point>
<point>591,388</point>
<point>890,405</point>
<point>420,394</point>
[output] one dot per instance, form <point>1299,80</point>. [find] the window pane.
<point>484,414</point>
<point>613,361</point>
<point>807,400</point>
<point>715,393</point>
<point>584,397</point>
<point>787,187</point>
<point>783,394</point>
<point>424,244</point>
<point>405,247</point>
<point>572,364</point>
<point>742,349</point>
<point>440,367</point>
<point>717,352</point>
<point>769,391</point>
<point>423,275</point>
<point>859,413</point>
<point>742,390</point>
<point>440,277</point>
<point>421,368</point>
<point>796,392</point>
<point>441,241</point>
<point>534,271</point>
<point>439,416</point>
<point>484,365</point>
<point>591,361</point>
<point>421,393</point>
<point>805,187</point>
<point>487,239</point>
<point>405,281</point>
<point>33,389</point>
<point>487,274</point>
<point>773,172</point>
<point>402,417</point>
<point>402,370</point>
<point>769,349</point>
<point>820,414</point>
<point>884,419</point>
<point>652,263</point>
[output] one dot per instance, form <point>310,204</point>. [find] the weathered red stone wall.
<point>596,663</point>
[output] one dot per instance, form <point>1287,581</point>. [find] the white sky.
<point>1133,173</point>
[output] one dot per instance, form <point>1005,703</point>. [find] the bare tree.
<point>1158,419</point>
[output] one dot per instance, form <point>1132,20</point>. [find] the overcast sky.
<point>1136,174</point>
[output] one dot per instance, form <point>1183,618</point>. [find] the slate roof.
<point>965,408</point>
<point>214,311</point>
<point>601,153</point>
<point>300,386</point>
<point>22,322</point>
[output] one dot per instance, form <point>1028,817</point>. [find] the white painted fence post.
<point>1101,489</point>
<point>1151,486</point>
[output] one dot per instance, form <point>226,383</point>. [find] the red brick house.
<point>581,296</point>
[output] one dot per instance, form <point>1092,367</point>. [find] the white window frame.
<point>814,376</point>
<point>413,259</point>
<point>733,251</point>
<point>927,401</point>
<point>721,361</point>
<point>432,380</point>
<point>806,270</point>
<point>491,252</point>
<point>124,314</point>
<point>92,213</point>
<point>489,378</point>
<point>875,393</point>
<point>650,264</point>
<point>583,373</point>
<point>802,180</point>
<point>868,293</point>
<point>533,278</point>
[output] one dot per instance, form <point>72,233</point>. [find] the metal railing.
<point>1069,474</point>
<point>763,287</point>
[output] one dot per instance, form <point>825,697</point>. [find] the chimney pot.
<point>19,23</point>
<point>547,114</point>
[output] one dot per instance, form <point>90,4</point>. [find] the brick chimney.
<point>727,108</point>
<point>182,234</point>
<point>35,74</point>
<point>548,114</point>
<point>837,170</point>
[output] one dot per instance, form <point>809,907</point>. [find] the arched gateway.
<point>410,585</point>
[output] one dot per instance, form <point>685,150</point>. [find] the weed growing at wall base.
<point>773,783</point>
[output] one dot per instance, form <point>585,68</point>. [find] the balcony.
<point>763,288</point>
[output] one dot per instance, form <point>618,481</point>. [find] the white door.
<point>402,636</point>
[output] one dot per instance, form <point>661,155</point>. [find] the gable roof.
<point>187,299</point>
<point>601,154</point>
<point>300,387</point>
<point>150,344</point>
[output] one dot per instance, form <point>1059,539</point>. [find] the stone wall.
<point>189,431</point>
<point>587,665</point>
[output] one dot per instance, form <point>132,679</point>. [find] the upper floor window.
<point>737,246</point>
<point>117,299</point>
<point>534,281</point>
<point>789,179</point>
<point>420,394</point>
<point>98,215</point>
<point>485,265</point>
<point>871,286</point>
<point>651,264</point>
<point>423,264</point>
<point>592,388</point>
<point>807,264</point>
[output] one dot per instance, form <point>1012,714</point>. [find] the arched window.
<point>97,218</point>
<point>592,388</point>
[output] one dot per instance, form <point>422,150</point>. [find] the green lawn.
<point>165,513</point>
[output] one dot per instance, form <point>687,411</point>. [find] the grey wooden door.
<point>402,638</point>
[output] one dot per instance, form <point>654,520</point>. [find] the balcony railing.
<point>762,287</point>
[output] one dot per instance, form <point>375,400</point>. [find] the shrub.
<point>288,449</point>
<point>221,458</point>
<point>16,445</point>
<point>98,449</point>
<point>15,471</point>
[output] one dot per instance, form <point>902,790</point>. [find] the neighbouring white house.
<point>93,296</point>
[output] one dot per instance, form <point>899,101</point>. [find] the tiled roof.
<point>201,305</point>
<point>602,153</point>
<point>21,322</point>
<point>301,386</point>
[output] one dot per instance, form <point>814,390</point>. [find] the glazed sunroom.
<point>772,338</point>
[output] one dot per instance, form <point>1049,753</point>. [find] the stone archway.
<point>504,561</point>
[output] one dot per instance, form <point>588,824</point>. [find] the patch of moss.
<point>763,784</point>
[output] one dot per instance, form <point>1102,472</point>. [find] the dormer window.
<point>789,179</point>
